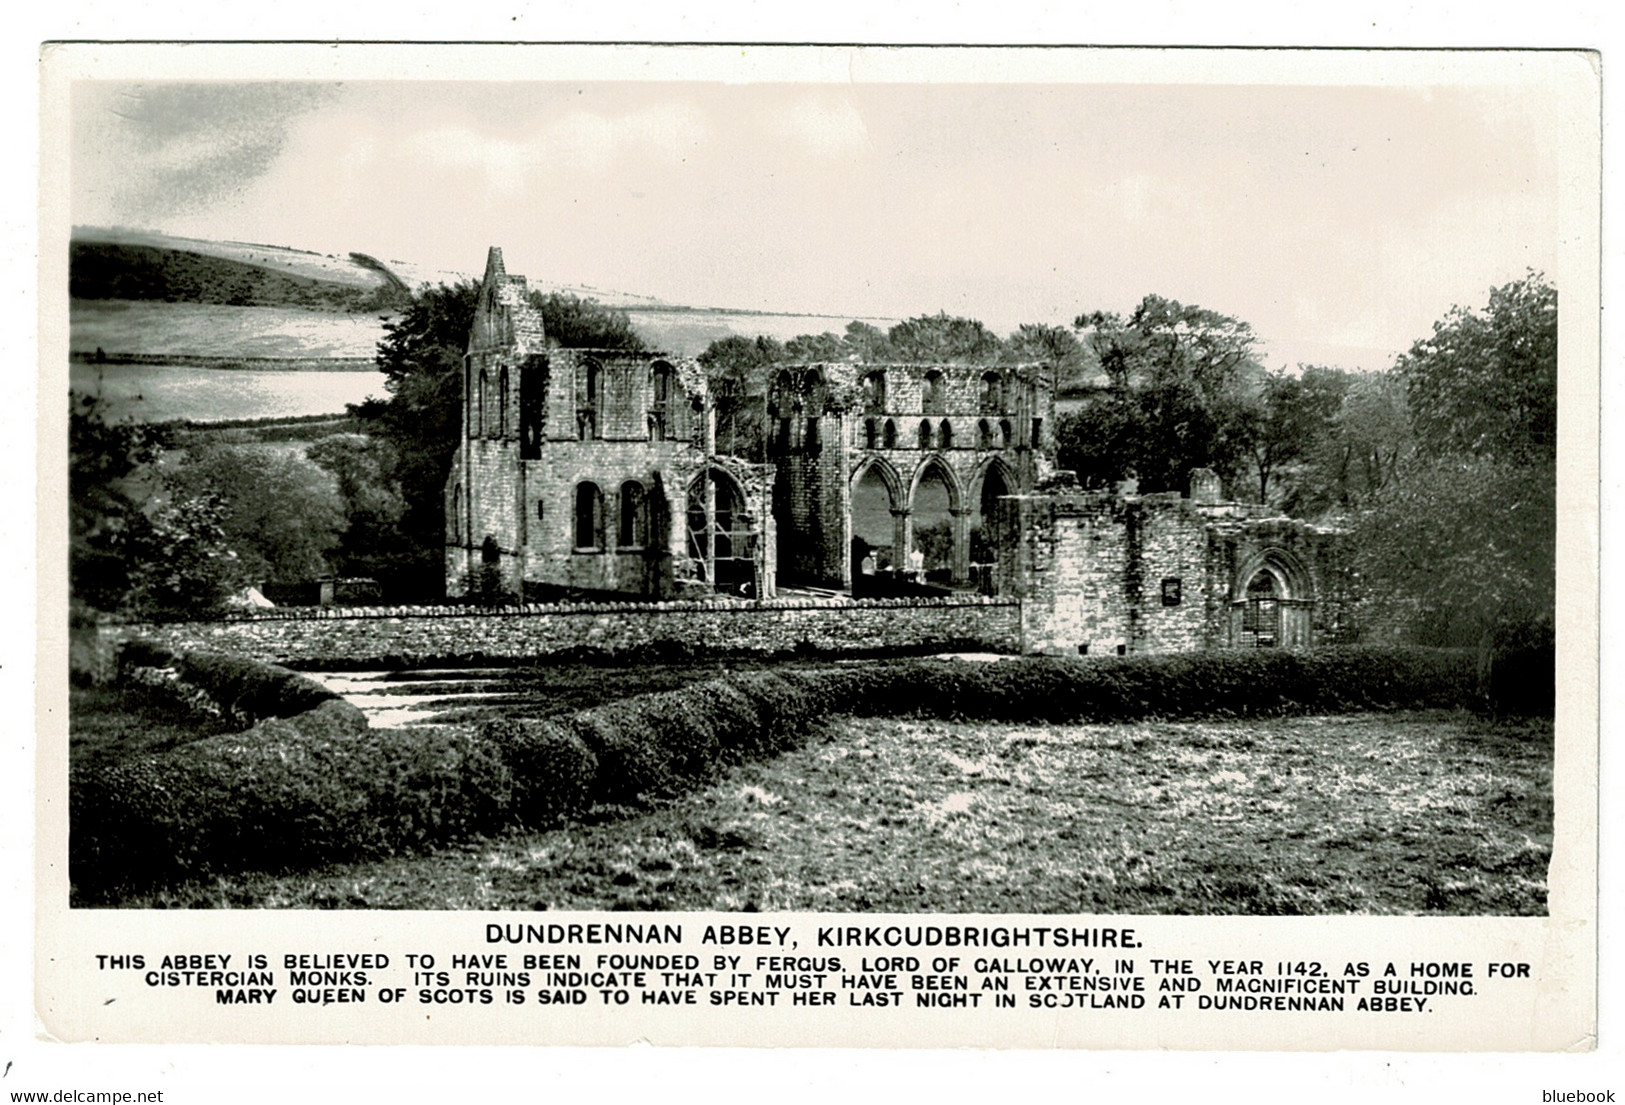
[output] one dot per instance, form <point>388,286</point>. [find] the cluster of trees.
<point>1460,544</point>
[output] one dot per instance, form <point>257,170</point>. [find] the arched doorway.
<point>1273,603</point>
<point>720,538</point>
<point>984,551</point>
<point>931,510</point>
<point>874,525</point>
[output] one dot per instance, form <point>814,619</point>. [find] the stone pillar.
<point>902,537</point>
<point>961,531</point>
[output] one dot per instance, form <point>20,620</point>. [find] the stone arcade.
<point>596,473</point>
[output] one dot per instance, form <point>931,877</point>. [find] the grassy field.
<point>1372,813</point>
<point>219,330</point>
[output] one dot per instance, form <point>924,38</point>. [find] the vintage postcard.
<point>819,546</point>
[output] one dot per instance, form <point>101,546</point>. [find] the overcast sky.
<point>1338,221</point>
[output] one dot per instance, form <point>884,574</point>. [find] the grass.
<point>1371,813</point>
<point>112,723</point>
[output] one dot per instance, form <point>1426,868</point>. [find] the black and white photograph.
<point>1025,496</point>
<point>912,498</point>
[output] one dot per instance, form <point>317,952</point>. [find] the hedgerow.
<point>279,797</point>
<point>314,788</point>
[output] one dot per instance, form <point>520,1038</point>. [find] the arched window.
<point>1004,433</point>
<point>934,398</point>
<point>889,437</point>
<point>479,409</point>
<point>812,382</point>
<point>633,532</point>
<point>659,400</point>
<point>871,433</point>
<point>874,393</point>
<point>589,382</point>
<point>925,433</point>
<point>1038,433</point>
<point>589,529</point>
<point>984,434</point>
<point>457,512</point>
<point>945,435</point>
<point>991,398</point>
<point>810,443</point>
<point>784,393</point>
<point>502,402</point>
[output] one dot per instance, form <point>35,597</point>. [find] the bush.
<point>250,687</point>
<point>552,768</point>
<point>280,798</point>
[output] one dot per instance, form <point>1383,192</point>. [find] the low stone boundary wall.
<point>409,635</point>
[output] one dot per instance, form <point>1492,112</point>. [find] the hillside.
<point>109,270</point>
<point>142,294</point>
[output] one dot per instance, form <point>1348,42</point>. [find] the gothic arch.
<point>1272,600</point>
<point>979,475</point>
<point>950,479</point>
<point>888,475</point>
<point>1291,577</point>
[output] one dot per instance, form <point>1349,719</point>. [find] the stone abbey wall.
<point>1109,572</point>
<point>354,635</point>
<point>839,430</point>
<point>575,465</point>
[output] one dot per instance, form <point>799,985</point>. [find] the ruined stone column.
<point>902,537</point>
<point>961,531</point>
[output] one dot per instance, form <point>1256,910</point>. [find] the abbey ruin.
<point>599,475</point>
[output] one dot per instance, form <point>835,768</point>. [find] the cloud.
<point>580,142</point>
<point>143,152</point>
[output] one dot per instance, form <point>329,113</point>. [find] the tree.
<point>1177,396</point>
<point>577,323</point>
<point>137,546</point>
<point>365,469</point>
<point>732,369</point>
<point>110,474</point>
<point>1360,450</point>
<point>421,358</point>
<point>811,348</point>
<point>869,343</point>
<point>1294,413</point>
<point>1053,344</point>
<point>1461,544</point>
<point>184,566</point>
<point>279,512</point>
<point>1484,383</point>
<point>942,339</point>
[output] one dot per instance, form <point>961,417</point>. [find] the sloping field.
<point>1420,813</point>
<point>216,330</point>
<point>293,262</point>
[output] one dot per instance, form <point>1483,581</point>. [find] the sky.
<point>1340,221</point>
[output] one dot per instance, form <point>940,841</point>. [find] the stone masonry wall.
<point>421,634</point>
<point>1154,573</point>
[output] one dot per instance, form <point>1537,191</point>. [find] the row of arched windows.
<point>995,396</point>
<point>883,435</point>
<point>591,519</point>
